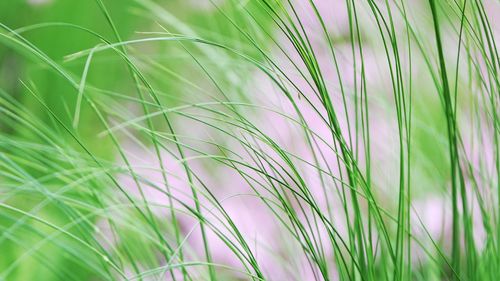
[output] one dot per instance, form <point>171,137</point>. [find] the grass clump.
<point>249,140</point>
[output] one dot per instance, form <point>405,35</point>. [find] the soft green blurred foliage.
<point>22,257</point>
<point>56,42</point>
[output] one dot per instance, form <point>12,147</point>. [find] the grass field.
<point>249,140</point>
